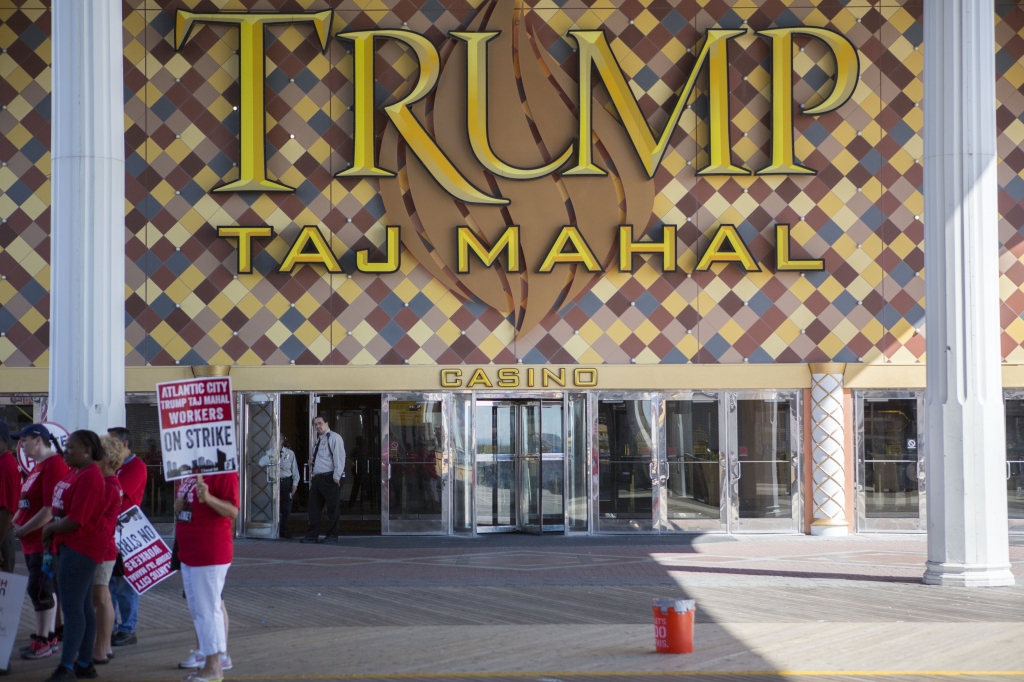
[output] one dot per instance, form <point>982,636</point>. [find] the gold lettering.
<point>476,112</point>
<point>557,378</point>
<point>783,263</point>
<point>570,234</point>
<point>595,52</point>
<point>394,251</point>
<point>244,235</point>
<point>479,377</point>
<point>364,160</point>
<point>450,378</point>
<point>508,377</point>
<point>509,240</point>
<point>628,247</point>
<point>578,374</point>
<point>738,254</point>
<point>847,73</point>
<point>252,166</point>
<point>310,235</point>
<point>529,377</point>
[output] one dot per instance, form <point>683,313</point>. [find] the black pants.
<point>323,490</point>
<point>286,507</point>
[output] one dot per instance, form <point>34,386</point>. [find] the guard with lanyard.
<point>327,470</point>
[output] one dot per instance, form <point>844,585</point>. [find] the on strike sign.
<point>197,427</point>
<point>147,558</point>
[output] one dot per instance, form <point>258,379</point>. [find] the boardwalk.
<point>529,608</point>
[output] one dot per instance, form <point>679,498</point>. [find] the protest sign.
<point>197,427</point>
<point>147,558</point>
<point>26,463</point>
<point>12,594</point>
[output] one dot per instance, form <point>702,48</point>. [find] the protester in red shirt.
<point>78,534</point>
<point>204,511</point>
<point>33,513</point>
<point>113,456</point>
<point>132,476</point>
<point>10,492</point>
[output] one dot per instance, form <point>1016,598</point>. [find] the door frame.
<point>520,396</point>
<point>657,414</point>
<point>888,525</point>
<point>794,523</point>
<point>1015,526</point>
<point>445,525</point>
<point>694,525</point>
<point>242,435</point>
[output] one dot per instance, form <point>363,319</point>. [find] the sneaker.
<point>194,661</point>
<point>310,540</point>
<point>40,648</point>
<point>85,672</point>
<point>28,647</point>
<point>62,674</point>
<point>123,639</point>
<point>225,662</point>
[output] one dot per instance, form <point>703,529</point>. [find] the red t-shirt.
<point>111,510</point>
<point>10,483</point>
<point>204,536</point>
<point>36,493</point>
<point>80,496</point>
<point>132,477</point>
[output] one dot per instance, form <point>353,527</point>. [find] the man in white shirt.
<point>327,464</point>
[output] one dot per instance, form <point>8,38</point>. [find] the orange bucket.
<point>673,625</point>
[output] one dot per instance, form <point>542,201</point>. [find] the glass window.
<point>417,461</point>
<point>693,488</point>
<point>579,478</point>
<point>1015,458</point>
<point>889,458</point>
<point>764,452</point>
<point>625,451</point>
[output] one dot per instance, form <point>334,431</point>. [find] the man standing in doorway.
<point>132,476</point>
<point>328,468</point>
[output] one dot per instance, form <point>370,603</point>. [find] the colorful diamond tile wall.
<point>185,302</point>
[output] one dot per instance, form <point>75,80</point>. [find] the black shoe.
<point>123,639</point>
<point>309,540</point>
<point>331,539</point>
<point>286,536</point>
<point>88,672</point>
<point>62,674</point>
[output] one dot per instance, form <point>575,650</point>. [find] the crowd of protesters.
<point>64,512</point>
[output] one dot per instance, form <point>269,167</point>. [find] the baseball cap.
<point>33,430</point>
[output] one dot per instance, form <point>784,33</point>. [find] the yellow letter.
<point>364,162</point>
<point>738,253</point>
<point>847,73</point>
<point>476,112</point>
<point>508,377</point>
<point>479,377</point>
<point>782,260</point>
<point>252,166</point>
<point>583,254</point>
<point>579,372</point>
<point>321,252</point>
<point>594,51</point>
<point>557,378</point>
<point>509,240</point>
<point>394,260</point>
<point>450,378</point>
<point>244,235</point>
<point>628,247</point>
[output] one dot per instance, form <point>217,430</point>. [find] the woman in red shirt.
<point>204,511</point>
<point>113,456</point>
<point>77,532</point>
<point>33,513</point>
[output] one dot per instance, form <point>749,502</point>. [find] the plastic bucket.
<point>673,625</point>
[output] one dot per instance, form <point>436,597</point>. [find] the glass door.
<point>1015,462</point>
<point>693,468</point>
<point>625,442</point>
<point>415,465</point>
<point>529,466</point>
<point>497,440</point>
<point>890,462</point>
<point>763,464</point>
<point>259,475</point>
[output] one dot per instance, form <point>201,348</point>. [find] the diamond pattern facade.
<point>186,303</point>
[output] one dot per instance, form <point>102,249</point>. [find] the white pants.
<point>203,586</point>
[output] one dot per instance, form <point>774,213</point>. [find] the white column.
<point>87,216</point>
<point>828,439</point>
<point>966,439</point>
